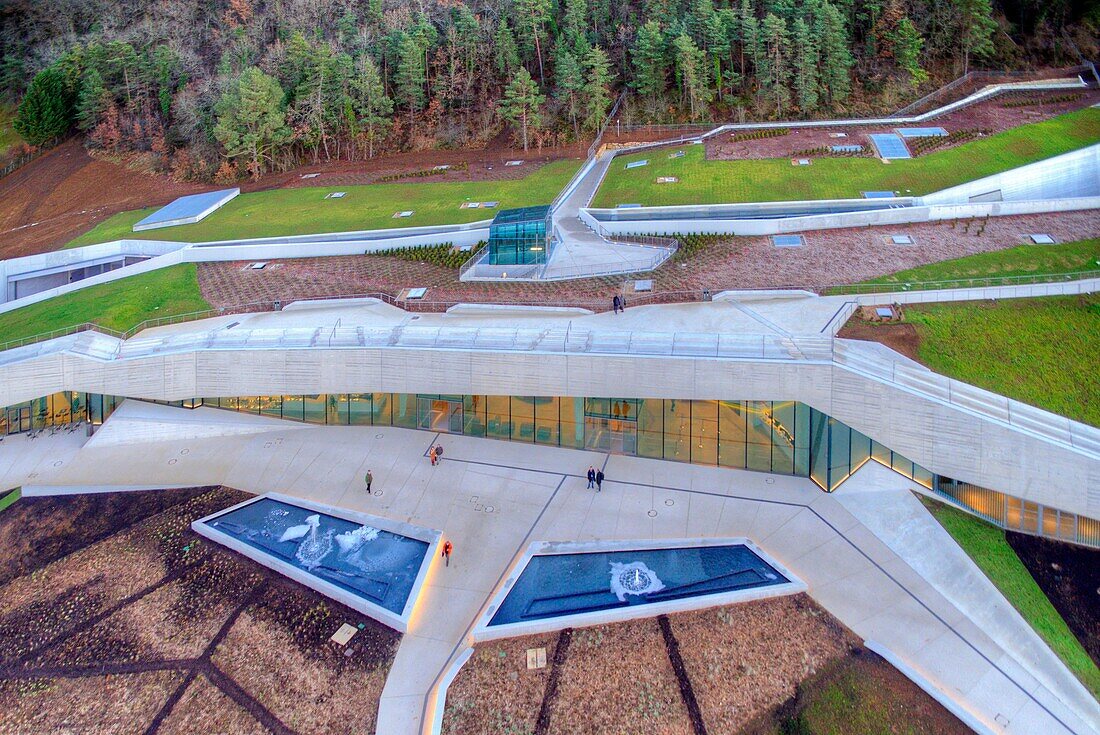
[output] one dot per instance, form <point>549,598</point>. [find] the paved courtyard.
<point>493,499</point>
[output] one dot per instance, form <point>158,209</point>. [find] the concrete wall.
<point>928,419</point>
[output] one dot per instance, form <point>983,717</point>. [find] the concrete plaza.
<point>869,553</point>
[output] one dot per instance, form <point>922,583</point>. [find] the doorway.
<point>610,435</point>
<point>439,414</point>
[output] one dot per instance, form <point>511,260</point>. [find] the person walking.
<point>591,477</point>
<point>615,302</point>
<point>447,548</point>
<point>438,453</point>
<point>599,480</point>
<point>369,479</point>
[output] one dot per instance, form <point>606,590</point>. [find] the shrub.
<point>444,255</point>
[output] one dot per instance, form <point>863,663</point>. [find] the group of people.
<point>595,478</point>
<point>618,303</point>
<point>435,454</point>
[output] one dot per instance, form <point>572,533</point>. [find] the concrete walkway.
<point>493,499</point>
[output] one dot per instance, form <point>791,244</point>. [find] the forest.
<point>221,89</point>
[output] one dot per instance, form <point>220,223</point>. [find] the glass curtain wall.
<point>783,437</point>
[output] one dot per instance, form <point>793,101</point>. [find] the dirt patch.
<point>36,531</point>
<point>203,708</point>
<point>859,694</point>
<point>616,674</point>
<point>900,337</point>
<point>154,600</point>
<point>756,664</point>
<point>65,192</point>
<point>99,704</point>
<point>279,652</point>
<point>746,659</point>
<point>1069,576</point>
<point>495,691</point>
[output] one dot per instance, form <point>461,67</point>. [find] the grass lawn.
<point>7,500</point>
<point>1040,351</point>
<point>119,305</point>
<point>987,547</point>
<point>775,179</point>
<point>304,210</point>
<point>1023,260</point>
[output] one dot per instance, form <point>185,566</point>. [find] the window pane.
<point>270,405</point>
<point>498,411</point>
<point>382,409</point>
<point>293,408</point>
<point>473,415</point>
<point>546,420</point>
<point>704,432</point>
<point>731,434</point>
<point>783,430</point>
<point>523,418</point>
<point>404,410</point>
<point>359,409</point>
<point>678,430</point>
<point>571,413</point>
<point>316,407</point>
<point>651,428</point>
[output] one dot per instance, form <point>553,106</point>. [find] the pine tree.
<point>975,29</point>
<point>650,61</point>
<point>773,77</point>
<point>91,100</point>
<point>531,18</point>
<point>691,71</point>
<point>372,107</point>
<point>597,92</point>
<point>574,26</point>
<point>907,47</point>
<point>46,111</point>
<point>251,119</point>
<point>750,37</point>
<point>836,59</point>
<point>507,55</point>
<point>805,62</point>
<point>569,77</point>
<point>409,79</point>
<point>521,103</point>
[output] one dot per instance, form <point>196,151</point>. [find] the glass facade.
<point>783,437</point>
<point>519,236</point>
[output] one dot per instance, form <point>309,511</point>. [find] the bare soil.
<point>749,665</point>
<point>990,115</point>
<point>66,191</point>
<point>1069,576</point>
<point>829,257</point>
<point>130,630</point>
<point>37,531</point>
<point>901,337</point>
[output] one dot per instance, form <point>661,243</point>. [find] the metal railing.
<point>959,283</point>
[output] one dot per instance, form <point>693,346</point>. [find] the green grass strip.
<point>305,211</point>
<point>775,179</point>
<point>7,500</point>
<point>985,544</point>
<point>1024,260</point>
<point>119,305</point>
<point>1040,351</point>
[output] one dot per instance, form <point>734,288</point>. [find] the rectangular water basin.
<point>562,585</point>
<point>371,564</point>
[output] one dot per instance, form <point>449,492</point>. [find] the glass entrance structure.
<point>520,236</point>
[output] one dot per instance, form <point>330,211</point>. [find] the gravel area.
<point>829,257</point>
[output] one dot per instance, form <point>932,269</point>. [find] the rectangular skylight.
<point>1042,239</point>
<point>901,239</point>
<point>637,164</point>
<point>787,241</point>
